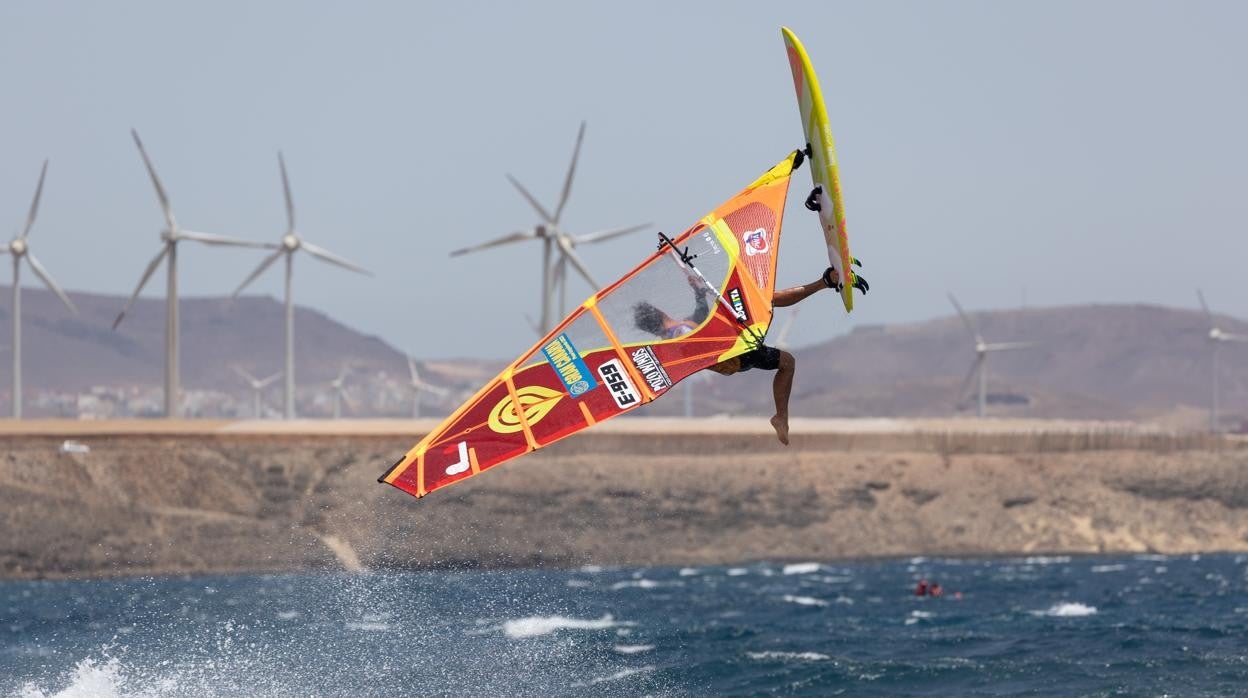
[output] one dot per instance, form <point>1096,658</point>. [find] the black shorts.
<point>764,357</point>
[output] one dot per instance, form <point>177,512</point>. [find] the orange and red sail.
<point>625,346</point>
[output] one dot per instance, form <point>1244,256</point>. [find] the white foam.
<point>644,584</point>
<point>578,583</point>
<point>287,615</point>
<point>89,680</point>
<point>804,600</point>
<point>371,626</point>
<point>1067,610</point>
<point>621,674</point>
<point>534,626</point>
<point>591,569</point>
<point>802,568</point>
<point>1108,568</point>
<point>1047,560</point>
<point>737,571</point>
<point>788,656</point>
<point>689,571</point>
<point>633,649</point>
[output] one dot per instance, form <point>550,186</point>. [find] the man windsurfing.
<point>767,358</point>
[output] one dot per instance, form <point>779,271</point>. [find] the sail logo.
<point>618,383</point>
<point>535,402</point>
<point>569,365</point>
<point>738,304</point>
<point>755,242</point>
<point>650,369</point>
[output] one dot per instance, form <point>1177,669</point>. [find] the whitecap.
<point>534,626</point>
<point>788,656</point>
<point>88,679</point>
<point>578,583</point>
<point>371,626</point>
<point>621,674</point>
<point>591,569</point>
<point>633,649</point>
<point>1067,610</point>
<point>737,571</point>
<point>801,568</point>
<point>689,571</point>
<point>1108,568</point>
<point>287,615</point>
<point>804,600</point>
<point>644,584</point>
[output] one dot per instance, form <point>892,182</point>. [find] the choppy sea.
<point>1142,625</point>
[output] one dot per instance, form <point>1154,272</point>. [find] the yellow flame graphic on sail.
<point>535,402</point>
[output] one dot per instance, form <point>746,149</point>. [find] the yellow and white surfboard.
<point>823,168</point>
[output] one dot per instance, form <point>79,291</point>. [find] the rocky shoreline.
<point>231,497</point>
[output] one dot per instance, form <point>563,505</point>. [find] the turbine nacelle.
<point>290,242</point>
<point>17,247</point>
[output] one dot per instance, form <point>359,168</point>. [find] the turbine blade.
<point>265,382</point>
<point>1204,306</point>
<point>147,274</point>
<point>333,258</point>
<point>411,368</point>
<point>47,281</point>
<point>34,204</point>
<point>504,240</point>
<point>160,190</point>
<point>213,239</point>
<point>567,182</point>
<point>1009,346</point>
<point>259,270</point>
<point>290,202</point>
<point>532,201</point>
<point>342,374</point>
<point>608,234</point>
<point>979,359</point>
<point>570,255</point>
<point>244,374</point>
<point>970,325</point>
<point>1234,337</point>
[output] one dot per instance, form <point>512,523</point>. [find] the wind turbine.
<point>289,245</point>
<point>418,386</point>
<point>19,248</point>
<point>170,236</point>
<point>257,387</point>
<point>1216,338</point>
<point>782,341</point>
<point>554,239</point>
<point>982,349</point>
<point>340,391</point>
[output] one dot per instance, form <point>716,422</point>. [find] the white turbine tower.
<point>982,349</point>
<point>257,388</point>
<point>554,238</point>
<point>289,245</point>
<point>1216,338</point>
<point>170,236</point>
<point>339,386</point>
<point>418,386</point>
<point>19,248</point>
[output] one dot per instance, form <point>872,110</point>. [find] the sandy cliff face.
<point>194,503</point>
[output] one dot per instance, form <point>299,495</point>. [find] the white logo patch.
<point>621,388</point>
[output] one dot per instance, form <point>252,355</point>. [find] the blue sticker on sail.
<point>569,366</point>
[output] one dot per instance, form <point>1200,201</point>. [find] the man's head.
<point>648,318</point>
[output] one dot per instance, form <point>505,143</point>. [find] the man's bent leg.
<point>781,386</point>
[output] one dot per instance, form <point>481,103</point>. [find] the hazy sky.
<point>1072,151</point>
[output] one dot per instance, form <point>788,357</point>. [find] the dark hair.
<point>648,318</point>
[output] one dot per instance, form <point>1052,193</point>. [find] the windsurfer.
<point>655,321</point>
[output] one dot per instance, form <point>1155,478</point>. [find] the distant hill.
<point>1095,361</point>
<point>67,353</point>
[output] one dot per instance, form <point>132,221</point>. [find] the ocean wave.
<point>1108,568</point>
<point>1067,610</point>
<point>802,568</point>
<point>633,649</point>
<point>788,656</point>
<point>644,584</point>
<point>804,600</point>
<point>621,674</point>
<point>535,626</point>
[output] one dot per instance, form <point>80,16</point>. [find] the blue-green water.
<point>1146,625</point>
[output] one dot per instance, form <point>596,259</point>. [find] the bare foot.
<point>781,425</point>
